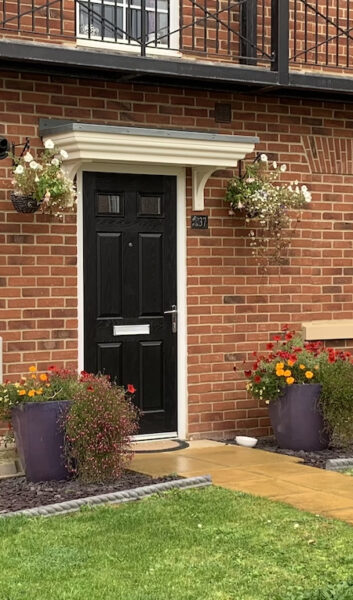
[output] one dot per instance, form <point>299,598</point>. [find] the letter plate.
<point>131,329</point>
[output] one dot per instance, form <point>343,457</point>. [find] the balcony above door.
<point>214,43</point>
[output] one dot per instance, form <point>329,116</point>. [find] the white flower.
<point>263,157</point>
<point>36,179</point>
<point>283,168</point>
<point>33,164</point>
<point>274,164</point>
<point>240,205</point>
<point>296,182</point>
<point>64,154</point>
<point>28,157</point>
<point>19,170</point>
<point>49,144</point>
<point>250,180</point>
<point>307,196</point>
<point>304,189</point>
<point>55,162</point>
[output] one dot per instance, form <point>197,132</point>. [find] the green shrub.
<point>99,426</point>
<point>337,399</point>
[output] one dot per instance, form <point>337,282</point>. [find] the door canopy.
<point>203,152</point>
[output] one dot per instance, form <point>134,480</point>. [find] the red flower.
<point>131,389</point>
<point>257,379</point>
<point>285,327</point>
<point>52,368</point>
<point>288,336</point>
<point>90,389</point>
<point>247,373</point>
<point>269,346</point>
<point>277,338</point>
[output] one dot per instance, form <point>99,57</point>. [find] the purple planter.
<point>297,420</point>
<point>40,439</point>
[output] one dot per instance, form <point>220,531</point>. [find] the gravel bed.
<point>313,459</point>
<point>16,493</point>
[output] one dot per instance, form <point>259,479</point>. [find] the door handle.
<point>173,312</point>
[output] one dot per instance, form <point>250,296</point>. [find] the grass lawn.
<point>208,544</point>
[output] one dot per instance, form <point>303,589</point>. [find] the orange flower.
<point>287,373</point>
<point>21,392</point>
<point>280,365</point>
<point>31,393</point>
<point>32,369</point>
<point>291,362</point>
<point>290,380</point>
<point>279,372</point>
<point>39,391</point>
<point>302,367</point>
<point>33,376</point>
<point>309,374</point>
<point>43,377</point>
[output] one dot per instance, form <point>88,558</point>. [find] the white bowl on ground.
<point>244,440</point>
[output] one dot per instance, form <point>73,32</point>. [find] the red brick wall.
<point>233,306</point>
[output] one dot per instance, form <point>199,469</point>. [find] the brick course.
<point>233,305</point>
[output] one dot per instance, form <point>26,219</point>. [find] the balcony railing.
<point>270,34</point>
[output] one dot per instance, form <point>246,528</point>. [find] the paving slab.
<point>270,475</point>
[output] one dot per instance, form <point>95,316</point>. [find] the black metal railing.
<point>322,33</point>
<point>231,30</point>
<point>272,34</point>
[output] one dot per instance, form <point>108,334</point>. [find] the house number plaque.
<point>199,222</point>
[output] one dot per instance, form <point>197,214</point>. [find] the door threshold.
<point>170,435</point>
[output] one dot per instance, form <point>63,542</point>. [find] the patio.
<point>257,472</point>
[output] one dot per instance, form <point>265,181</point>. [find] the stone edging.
<point>339,464</point>
<point>61,508</point>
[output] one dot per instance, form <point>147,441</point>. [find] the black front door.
<point>129,283</point>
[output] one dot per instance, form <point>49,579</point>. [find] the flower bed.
<point>17,494</point>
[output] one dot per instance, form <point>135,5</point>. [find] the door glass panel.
<point>109,203</point>
<point>150,205</point>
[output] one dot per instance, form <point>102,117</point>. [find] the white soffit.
<point>203,152</point>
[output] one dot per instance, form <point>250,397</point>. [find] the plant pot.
<point>297,420</point>
<point>40,439</point>
<point>24,204</point>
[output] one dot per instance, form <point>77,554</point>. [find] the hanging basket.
<point>24,204</point>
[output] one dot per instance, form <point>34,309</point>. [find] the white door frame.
<point>179,173</point>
